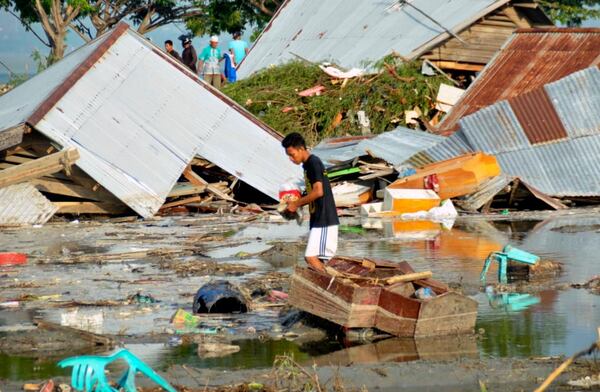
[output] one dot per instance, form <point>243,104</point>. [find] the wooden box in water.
<point>355,294</point>
<point>344,303</point>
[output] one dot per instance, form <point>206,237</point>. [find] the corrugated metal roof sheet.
<point>452,146</point>
<point>564,167</point>
<point>530,59</point>
<point>138,117</point>
<point>19,103</point>
<point>352,33</point>
<point>23,204</point>
<point>399,145</point>
<point>395,147</point>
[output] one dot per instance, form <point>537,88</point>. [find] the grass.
<point>272,95</point>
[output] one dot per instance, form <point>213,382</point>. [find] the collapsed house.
<point>454,35</point>
<point>115,124</point>
<point>535,108</point>
<point>530,59</point>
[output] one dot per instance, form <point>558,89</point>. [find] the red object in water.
<point>48,386</point>
<point>9,258</point>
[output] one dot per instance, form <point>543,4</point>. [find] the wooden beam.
<point>186,189</point>
<point>58,187</point>
<point>458,66</point>
<point>517,18</point>
<point>89,207</point>
<point>39,167</point>
<point>194,199</point>
<point>526,5</point>
<point>195,179</point>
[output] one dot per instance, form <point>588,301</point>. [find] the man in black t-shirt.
<point>322,239</point>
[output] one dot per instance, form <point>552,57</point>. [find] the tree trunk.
<point>58,47</point>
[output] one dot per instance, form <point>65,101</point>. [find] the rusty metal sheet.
<point>530,59</point>
<point>537,116</point>
<point>559,167</point>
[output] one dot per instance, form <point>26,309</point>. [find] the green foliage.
<point>272,95</point>
<point>42,62</point>
<point>571,12</point>
<point>228,15</point>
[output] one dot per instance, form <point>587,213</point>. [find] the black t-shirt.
<point>322,210</point>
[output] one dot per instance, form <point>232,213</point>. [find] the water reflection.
<point>546,323</point>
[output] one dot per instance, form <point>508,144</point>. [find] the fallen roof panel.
<point>138,118</point>
<point>395,147</point>
<point>353,33</point>
<point>565,166</point>
<point>529,60</point>
<point>22,204</point>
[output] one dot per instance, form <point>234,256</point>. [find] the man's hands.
<point>292,206</point>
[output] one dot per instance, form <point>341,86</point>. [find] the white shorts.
<point>322,242</point>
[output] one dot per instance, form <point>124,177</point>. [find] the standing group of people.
<point>208,63</point>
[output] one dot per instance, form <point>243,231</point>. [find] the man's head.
<point>186,42</point>
<point>214,41</point>
<point>169,45</point>
<point>295,148</point>
<point>237,35</point>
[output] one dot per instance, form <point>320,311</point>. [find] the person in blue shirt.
<point>238,48</point>
<point>208,62</point>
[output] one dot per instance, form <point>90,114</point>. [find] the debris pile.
<point>300,97</point>
<point>73,143</point>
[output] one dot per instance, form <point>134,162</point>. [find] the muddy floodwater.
<point>68,272</point>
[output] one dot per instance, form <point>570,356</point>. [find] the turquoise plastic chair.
<point>509,253</point>
<point>89,372</point>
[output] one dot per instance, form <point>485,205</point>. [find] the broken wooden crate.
<point>366,293</point>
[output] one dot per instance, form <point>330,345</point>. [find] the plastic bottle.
<point>424,293</point>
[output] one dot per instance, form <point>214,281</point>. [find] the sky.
<point>17,44</point>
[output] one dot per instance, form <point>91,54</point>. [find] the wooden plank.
<point>195,199</point>
<point>186,189</point>
<point>195,179</point>
<point>92,338</point>
<point>39,167</point>
<point>89,207</point>
<point>458,66</point>
<point>517,18</point>
<point>65,188</point>
<point>12,136</point>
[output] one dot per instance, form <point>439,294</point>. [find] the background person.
<point>170,50</point>
<point>188,56</point>
<point>208,62</point>
<point>238,48</point>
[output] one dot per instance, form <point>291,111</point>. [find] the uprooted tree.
<point>90,18</point>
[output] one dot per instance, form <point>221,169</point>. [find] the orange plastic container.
<point>409,200</point>
<point>456,177</point>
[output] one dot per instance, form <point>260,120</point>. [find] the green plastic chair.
<point>89,372</point>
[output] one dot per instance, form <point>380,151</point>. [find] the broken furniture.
<point>454,177</point>
<point>89,372</point>
<point>367,293</point>
<point>508,254</point>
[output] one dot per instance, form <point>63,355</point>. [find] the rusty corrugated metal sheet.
<point>559,167</point>
<point>530,59</point>
<point>22,204</point>
<point>538,117</point>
